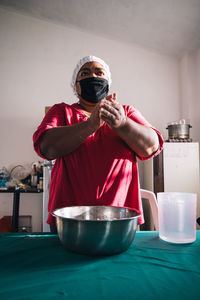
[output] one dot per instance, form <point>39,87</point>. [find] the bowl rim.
<point>53,213</point>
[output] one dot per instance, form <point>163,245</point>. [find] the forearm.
<point>60,141</point>
<point>141,139</point>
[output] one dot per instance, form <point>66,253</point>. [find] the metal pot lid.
<point>180,122</point>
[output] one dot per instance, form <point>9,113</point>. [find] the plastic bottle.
<point>34,177</point>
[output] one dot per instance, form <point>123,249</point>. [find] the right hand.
<point>94,120</point>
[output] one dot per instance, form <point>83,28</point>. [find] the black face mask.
<point>94,89</point>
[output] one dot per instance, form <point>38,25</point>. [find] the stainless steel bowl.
<point>96,230</point>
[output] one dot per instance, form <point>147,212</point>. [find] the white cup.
<point>177,217</point>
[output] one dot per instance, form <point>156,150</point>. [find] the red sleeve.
<point>136,116</point>
<point>55,117</point>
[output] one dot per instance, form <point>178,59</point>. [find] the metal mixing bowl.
<point>96,230</point>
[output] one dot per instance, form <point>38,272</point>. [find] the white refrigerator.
<point>48,165</point>
<point>180,169</point>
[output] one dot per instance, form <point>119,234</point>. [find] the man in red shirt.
<point>95,143</point>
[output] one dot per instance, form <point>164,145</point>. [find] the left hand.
<point>111,112</point>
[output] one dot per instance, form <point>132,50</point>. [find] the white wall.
<point>37,59</point>
<point>190,91</point>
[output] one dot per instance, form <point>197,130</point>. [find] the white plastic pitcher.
<point>177,217</point>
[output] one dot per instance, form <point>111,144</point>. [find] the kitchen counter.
<point>36,266</point>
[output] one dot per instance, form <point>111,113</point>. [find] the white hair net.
<point>83,61</point>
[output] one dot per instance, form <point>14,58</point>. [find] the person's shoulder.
<point>62,106</point>
<point>125,106</point>
<point>129,109</point>
<point>133,112</point>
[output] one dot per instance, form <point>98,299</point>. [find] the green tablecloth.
<point>36,266</point>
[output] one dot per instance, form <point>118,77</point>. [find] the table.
<point>36,266</point>
<point>16,201</point>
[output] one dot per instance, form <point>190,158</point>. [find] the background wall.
<point>37,59</point>
<point>190,90</point>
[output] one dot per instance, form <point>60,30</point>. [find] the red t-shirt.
<point>101,171</point>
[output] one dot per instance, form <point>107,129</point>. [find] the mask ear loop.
<point>76,91</point>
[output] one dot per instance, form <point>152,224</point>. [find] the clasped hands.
<point>109,111</point>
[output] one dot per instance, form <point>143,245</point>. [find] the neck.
<point>86,106</point>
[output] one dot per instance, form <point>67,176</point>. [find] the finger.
<point>106,115</point>
<point>109,109</point>
<point>108,120</point>
<point>111,105</point>
<point>116,105</point>
<point>114,96</point>
<point>109,97</point>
